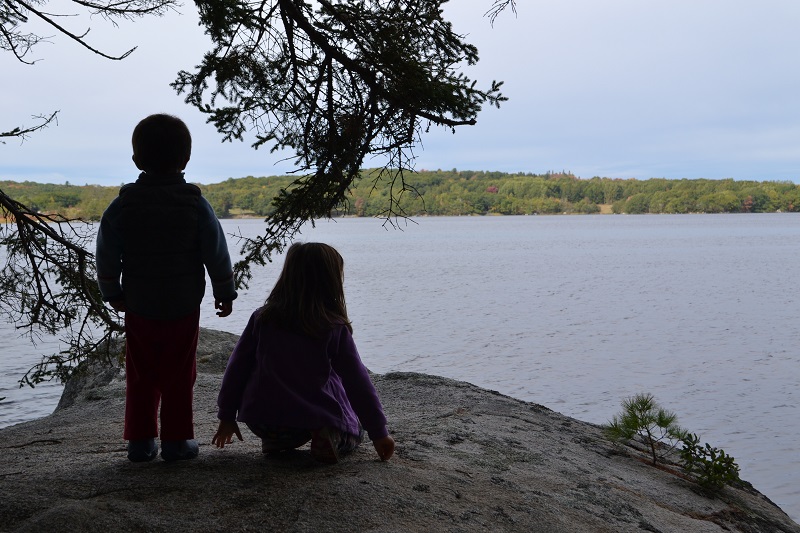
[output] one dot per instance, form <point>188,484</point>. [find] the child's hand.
<point>224,435</point>
<point>385,447</point>
<point>225,308</point>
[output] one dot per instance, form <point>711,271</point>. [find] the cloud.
<point>620,88</point>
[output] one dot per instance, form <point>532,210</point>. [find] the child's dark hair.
<point>308,297</point>
<point>161,143</point>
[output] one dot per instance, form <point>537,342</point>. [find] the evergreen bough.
<point>643,418</point>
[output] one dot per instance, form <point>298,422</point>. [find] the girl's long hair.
<point>308,297</point>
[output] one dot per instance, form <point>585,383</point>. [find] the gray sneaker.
<point>179,450</point>
<point>140,451</point>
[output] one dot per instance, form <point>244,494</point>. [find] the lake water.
<point>572,312</point>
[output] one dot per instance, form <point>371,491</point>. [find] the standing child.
<point>295,374</point>
<point>157,235</point>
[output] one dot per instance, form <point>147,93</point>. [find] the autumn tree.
<point>331,82</point>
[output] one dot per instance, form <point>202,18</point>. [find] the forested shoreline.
<point>454,192</point>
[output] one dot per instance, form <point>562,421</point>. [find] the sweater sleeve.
<point>237,373</point>
<point>214,249</point>
<point>358,386</point>
<point>108,254</point>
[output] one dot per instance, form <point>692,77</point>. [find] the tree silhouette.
<point>17,15</point>
<point>332,82</point>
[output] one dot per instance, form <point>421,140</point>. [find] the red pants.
<point>160,364</point>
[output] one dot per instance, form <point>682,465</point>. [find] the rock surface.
<point>467,460</point>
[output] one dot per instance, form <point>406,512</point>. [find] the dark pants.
<point>160,364</point>
<point>274,439</point>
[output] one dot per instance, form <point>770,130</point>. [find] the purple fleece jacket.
<point>279,378</point>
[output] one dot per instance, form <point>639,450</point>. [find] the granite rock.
<point>467,459</point>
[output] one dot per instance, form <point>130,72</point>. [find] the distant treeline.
<point>453,192</point>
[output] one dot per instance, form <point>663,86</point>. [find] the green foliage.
<point>642,417</point>
<point>637,204</point>
<point>657,428</point>
<point>85,202</point>
<point>712,467</point>
<point>448,193</point>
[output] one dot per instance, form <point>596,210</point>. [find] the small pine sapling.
<point>643,417</point>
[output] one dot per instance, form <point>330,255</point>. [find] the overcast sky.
<point>616,88</point>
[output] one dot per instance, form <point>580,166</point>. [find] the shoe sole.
<point>323,448</point>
